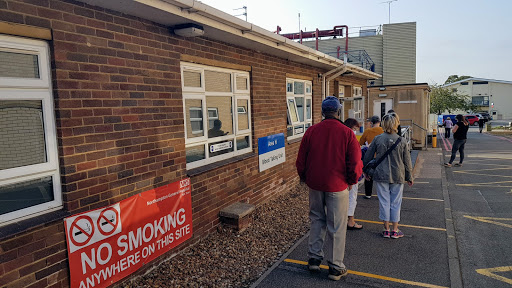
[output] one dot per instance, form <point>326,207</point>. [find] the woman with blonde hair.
<point>391,174</point>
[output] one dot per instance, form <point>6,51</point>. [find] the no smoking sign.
<point>88,228</point>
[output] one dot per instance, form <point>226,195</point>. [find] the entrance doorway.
<point>381,107</point>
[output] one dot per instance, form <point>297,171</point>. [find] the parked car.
<point>472,119</point>
<point>482,116</point>
<point>486,116</point>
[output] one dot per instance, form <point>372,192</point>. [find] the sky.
<point>452,37</point>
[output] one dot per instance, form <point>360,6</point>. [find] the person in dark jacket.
<point>481,122</point>
<point>460,135</point>
<point>329,161</point>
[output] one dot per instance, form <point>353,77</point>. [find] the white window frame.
<point>192,89</point>
<point>196,120</point>
<point>20,89</point>
<point>357,91</point>
<point>213,117</point>
<point>202,94</point>
<point>290,97</point>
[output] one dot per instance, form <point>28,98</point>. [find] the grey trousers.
<point>328,213</point>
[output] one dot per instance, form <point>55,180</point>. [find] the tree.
<point>455,78</point>
<point>445,99</point>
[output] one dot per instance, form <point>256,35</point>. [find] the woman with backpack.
<point>460,132</point>
<point>393,169</point>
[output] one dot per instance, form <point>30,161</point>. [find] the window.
<point>219,100</point>
<point>299,99</point>
<point>358,92</point>
<point>480,100</point>
<point>196,120</point>
<point>29,170</point>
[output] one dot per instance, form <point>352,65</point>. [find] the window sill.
<point>13,229</point>
<point>212,166</point>
<point>295,140</point>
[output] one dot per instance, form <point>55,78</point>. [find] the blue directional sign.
<point>271,151</point>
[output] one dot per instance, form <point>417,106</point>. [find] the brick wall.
<point>120,124</point>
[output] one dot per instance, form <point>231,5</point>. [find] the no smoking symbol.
<point>82,230</point>
<point>108,221</point>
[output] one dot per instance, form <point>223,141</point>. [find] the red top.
<point>329,157</point>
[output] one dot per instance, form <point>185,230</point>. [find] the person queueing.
<point>352,193</point>
<point>329,161</point>
<point>366,139</point>
<point>481,122</point>
<point>391,174</point>
<point>391,111</point>
<point>460,135</point>
<point>448,125</point>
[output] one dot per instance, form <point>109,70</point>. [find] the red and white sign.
<point>107,244</point>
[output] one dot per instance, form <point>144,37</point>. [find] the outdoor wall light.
<point>188,30</point>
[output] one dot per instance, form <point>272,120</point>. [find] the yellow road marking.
<point>485,183</point>
<point>486,164</point>
<point>492,169</point>
<point>412,198</point>
<point>490,220</point>
<point>490,156</point>
<point>403,225</point>
<point>375,276</point>
<point>488,272</point>
<point>482,174</point>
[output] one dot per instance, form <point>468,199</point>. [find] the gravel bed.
<point>227,258</point>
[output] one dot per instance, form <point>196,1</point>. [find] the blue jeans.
<point>458,145</point>
<point>390,200</point>
<point>328,214</point>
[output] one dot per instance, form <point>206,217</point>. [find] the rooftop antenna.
<point>245,12</point>
<point>389,8</point>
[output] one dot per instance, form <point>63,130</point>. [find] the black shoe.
<point>314,264</point>
<point>335,274</point>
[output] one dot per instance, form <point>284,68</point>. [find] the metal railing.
<point>411,131</point>
<point>407,134</point>
<point>356,57</point>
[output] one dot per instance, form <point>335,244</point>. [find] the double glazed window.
<point>29,171</point>
<point>216,106</point>
<point>299,102</point>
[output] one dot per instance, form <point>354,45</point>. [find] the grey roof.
<point>478,79</point>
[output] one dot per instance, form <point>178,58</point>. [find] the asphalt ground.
<point>481,202</point>
<point>420,258</point>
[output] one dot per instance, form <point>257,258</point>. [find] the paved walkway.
<point>421,258</point>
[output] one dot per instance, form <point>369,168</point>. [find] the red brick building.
<point>101,100</point>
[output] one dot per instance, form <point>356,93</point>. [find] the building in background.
<point>391,49</point>
<point>492,96</point>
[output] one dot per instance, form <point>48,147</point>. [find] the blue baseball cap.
<point>331,104</point>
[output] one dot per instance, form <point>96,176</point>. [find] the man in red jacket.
<point>329,161</point>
